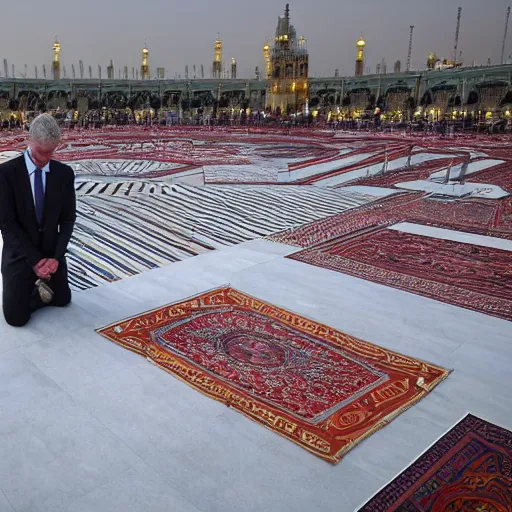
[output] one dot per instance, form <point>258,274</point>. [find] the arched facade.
<point>469,90</point>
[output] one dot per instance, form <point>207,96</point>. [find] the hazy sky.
<point>180,32</point>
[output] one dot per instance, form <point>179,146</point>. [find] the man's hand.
<point>41,269</point>
<point>52,265</point>
<point>46,267</point>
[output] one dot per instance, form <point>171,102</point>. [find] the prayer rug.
<point>468,470</point>
<point>466,275</point>
<point>322,389</point>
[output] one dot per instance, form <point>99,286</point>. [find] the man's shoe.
<point>45,292</point>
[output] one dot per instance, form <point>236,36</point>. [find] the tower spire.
<point>268,62</point>
<point>360,56</point>
<point>144,68</point>
<point>217,61</point>
<point>56,59</point>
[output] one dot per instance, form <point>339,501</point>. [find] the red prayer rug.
<point>468,470</point>
<point>466,275</point>
<point>319,387</point>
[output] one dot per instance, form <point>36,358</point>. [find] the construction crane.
<point>456,46</point>
<point>410,49</point>
<point>505,37</point>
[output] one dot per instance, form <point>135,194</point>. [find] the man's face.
<point>41,152</point>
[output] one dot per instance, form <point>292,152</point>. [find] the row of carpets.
<point>470,468</point>
<point>184,147</point>
<point>360,244</point>
<point>324,390</point>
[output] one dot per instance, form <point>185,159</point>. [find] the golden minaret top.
<point>56,51</point>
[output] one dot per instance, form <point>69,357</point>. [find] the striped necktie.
<point>39,194</point>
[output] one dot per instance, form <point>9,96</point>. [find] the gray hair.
<point>44,128</point>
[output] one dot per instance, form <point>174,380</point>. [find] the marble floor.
<point>88,426</point>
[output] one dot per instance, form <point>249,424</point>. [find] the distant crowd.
<point>99,119</point>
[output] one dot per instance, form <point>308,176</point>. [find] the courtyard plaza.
<point>90,426</point>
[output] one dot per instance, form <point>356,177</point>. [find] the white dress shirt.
<point>31,167</point>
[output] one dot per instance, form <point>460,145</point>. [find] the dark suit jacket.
<point>25,241</point>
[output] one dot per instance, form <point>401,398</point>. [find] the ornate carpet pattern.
<point>318,387</point>
<point>481,216</point>
<point>390,210</point>
<point>468,470</point>
<point>466,275</point>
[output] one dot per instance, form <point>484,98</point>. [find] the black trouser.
<point>20,298</point>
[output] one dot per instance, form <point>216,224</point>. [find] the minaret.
<point>268,61</point>
<point>144,68</point>
<point>217,61</point>
<point>360,56</point>
<point>56,60</point>
<point>111,71</point>
<point>233,68</point>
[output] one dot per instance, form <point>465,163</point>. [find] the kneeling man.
<point>37,215</point>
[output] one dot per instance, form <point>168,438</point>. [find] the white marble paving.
<point>456,236</point>
<point>90,427</point>
<point>455,189</point>
<point>473,167</point>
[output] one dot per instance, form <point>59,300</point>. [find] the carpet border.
<point>307,256</point>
